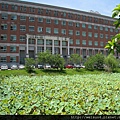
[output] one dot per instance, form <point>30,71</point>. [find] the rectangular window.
<point>13,27</point>
<point>101,28</point>
<point>31,28</point>
<point>14,7</point>
<point>40,11</point>
<point>70,32</point>
<point>77,42</point>
<point>22,28</point>
<point>48,42</point>
<point>40,49</point>
<point>55,30</point>
<point>63,31</point>
<point>77,33</point>
<point>3,26</point>
<point>106,28</point>
<point>70,23</point>
<point>31,10</point>
<point>64,43</point>
<point>111,29</point>
<point>96,20</point>
<point>83,34</point>
<point>40,19</point>
<point>90,19</point>
<point>3,48</point>
<point>95,27</point>
<point>4,6</point>
<point>22,38</point>
<point>78,17</point>
<point>96,43</point>
<point>106,36</point>
<point>31,19</point>
<point>90,43</point>
<point>63,22</point>
<point>101,44</point>
<point>40,29</point>
<point>63,14</point>
<point>12,59</point>
<point>48,21</point>
<point>3,59</point>
<point>3,37</point>
<point>13,17</point>
<point>83,42</point>
<point>13,38</point>
<point>40,41</point>
<point>23,18</point>
<point>83,25</point>
<point>95,35</point>
<point>77,24</point>
<point>48,12</point>
<point>48,30</point>
<point>83,17</point>
<point>4,16</point>
<point>56,42</point>
<point>70,15</point>
<point>23,8</point>
<point>89,34</point>
<point>13,48</point>
<point>101,35</point>
<point>71,41</point>
<point>56,22</point>
<point>55,13</point>
<point>89,26</point>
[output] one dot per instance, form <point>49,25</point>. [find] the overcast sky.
<point>104,7</point>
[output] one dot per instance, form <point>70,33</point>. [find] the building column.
<point>68,49</point>
<point>60,47</point>
<point>27,46</point>
<point>44,44</point>
<point>53,47</point>
<point>35,47</point>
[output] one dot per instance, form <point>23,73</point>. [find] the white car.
<point>47,66</point>
<point>21,66</point>
<point>14,67</point>
<point>4,67</point>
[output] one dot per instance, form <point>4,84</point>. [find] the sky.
<point>104,7</point>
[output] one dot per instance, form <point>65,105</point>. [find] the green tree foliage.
<point>111,63</point>
<point>114,43</point>
<point>29,64</point>
<point>75,58</point>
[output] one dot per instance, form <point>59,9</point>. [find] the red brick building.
<point>28,28</point>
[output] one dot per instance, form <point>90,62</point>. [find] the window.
<point>23,18</point>
<point>116,30</point>
<point>22,28</point>
<point>4,6</point>
<point>4,16</point>
<point>83,25</point>
<point>48,21</point>
<point>83,34</point>
<point>31,19</point>
<point>48,12</point>
<point>23,8</point>
<point>96,43</point>
<point>13,27</point>
<point>48,30</point>
<point>3,26</point>
<point>106,36</point>
<point>40,29</point>
<point>90,43</point>
<point>3,37</point>
<point>70,32</point>
<point>3,48</point>
<point>14,7</point>
<point>71,41</point>
<point>13,17</point>
<point>70,15</point>
<point>70,23</point>
<point>13,48</point>
<point>77,33</point>
<point>63,14</point>
<point>89,26</point>
<point>96,20</point>
<point>106,28</point>
<point>106,21</point>
<point>56,22</point>
<point>95,35</point>
<point>77,24</point>
<point>101,28</point>
<point>48,42</point>
<point>55,30</point>
<point>89,34</point>
<point>101,44</point>
<point>77,42</point>
<point>40,11</point>
<point>40,49</point>
<point>64,43</point>
<point>111,29</point>
<point>56,42</point>
<point>63,22</point>
<point>22,38</point>
<point>63,31</point>
<point>31,28</point>
<point>101,35</point>
<point>12,59</point>
<point>55,13</point>
<point>40,19</point>
<point>3,59</point>
<point>83,17</point>
<point>31,41</point>
<point>90,19</point>
<point>77,17</point>
<point>31,10</point>
<point>13,38</point>
<point>95,27</point>
<point>40,41</point>
<point>83,42</point>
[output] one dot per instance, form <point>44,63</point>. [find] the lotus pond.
<point>97,94</point>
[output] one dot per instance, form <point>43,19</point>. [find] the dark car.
<point>40,66</point>
<point>54,66</point>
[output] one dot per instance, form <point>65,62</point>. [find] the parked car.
<point>21,66</point>
<point>14,67</point>
<point>54,66</point>
<point>4,67</point>
<point>78,66</point>
<point>69,66</point>
<point>47,66</point>
<point>40,66</point>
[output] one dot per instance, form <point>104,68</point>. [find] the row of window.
<point>57,14</point>
<point>4,59</point>
<point>4,48</point>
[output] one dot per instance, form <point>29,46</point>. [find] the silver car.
<point>14,67</point>
<point>4,67</point>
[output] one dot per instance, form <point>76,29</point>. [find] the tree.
<point>29,64</point>
<point>114,43</point>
